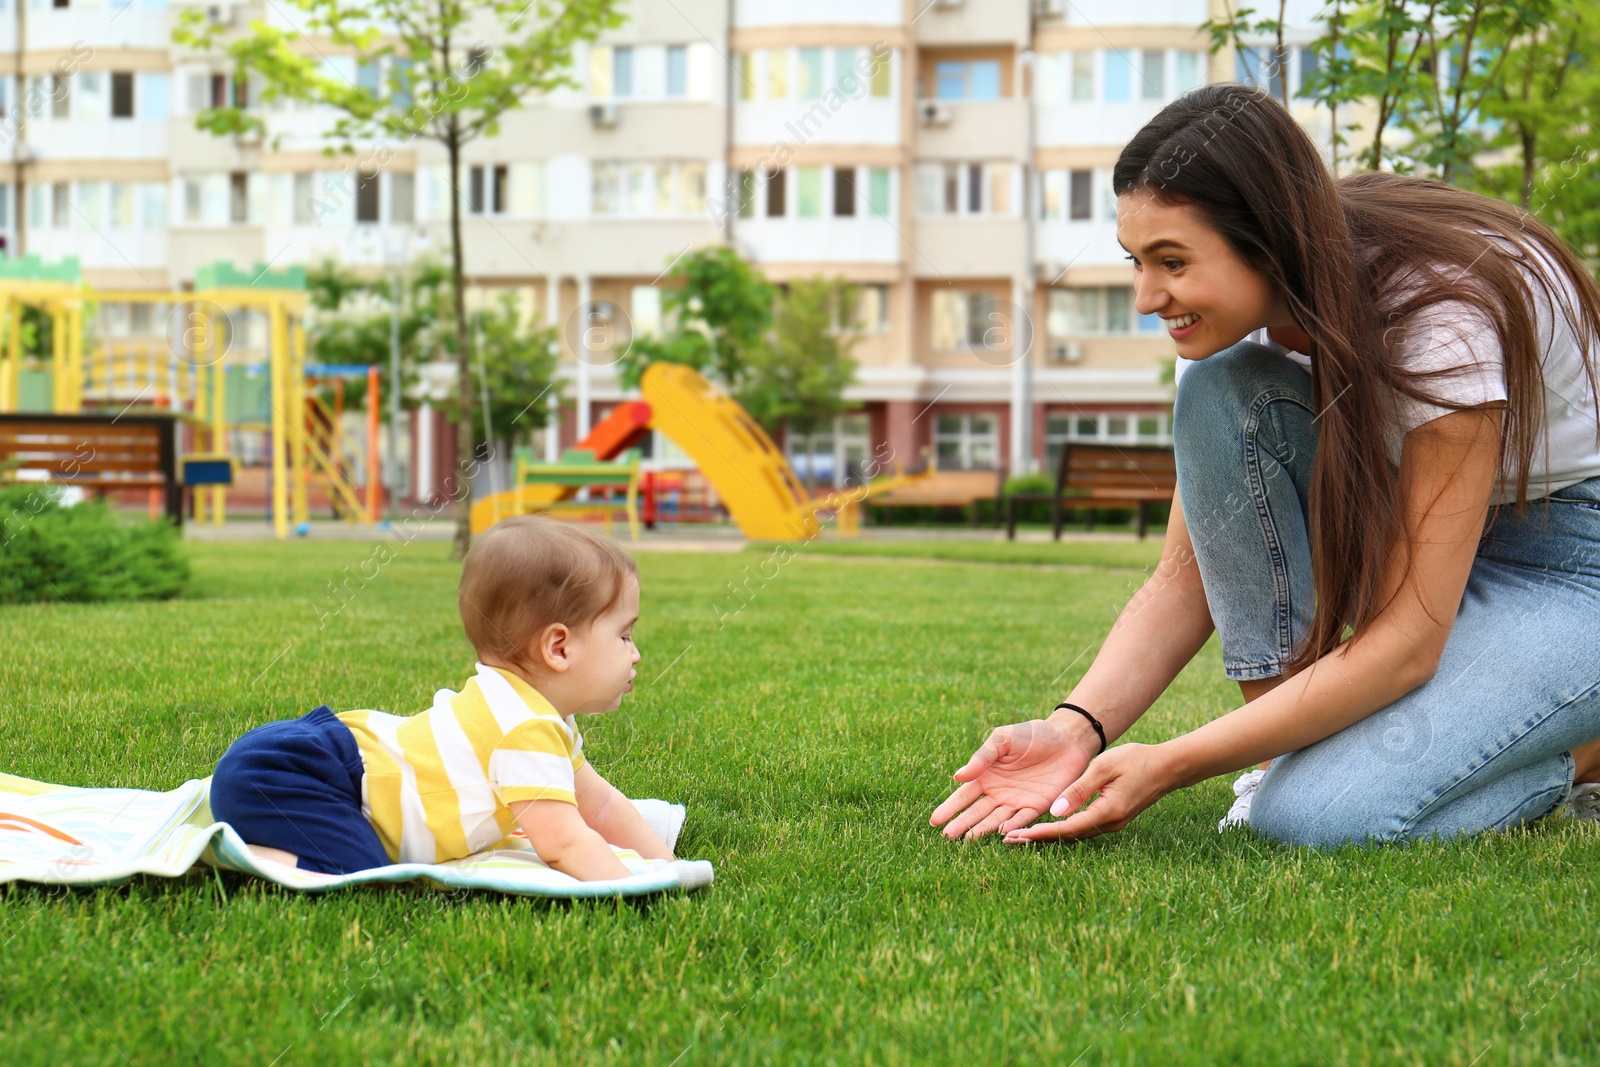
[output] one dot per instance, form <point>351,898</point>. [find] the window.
<point>808,199</point>
<point>882,67</point>
<point>1189,72</point>
<point>1049,77</point>
<point>122,205</point>
<point>775,194</point>
<point>777,73</point>
<point>600,72</point>
<point>846,79</point>
<point>967,320</point>
<point>967,442</point>
<point>1096,311</point>
<point>1258,67</point>
<point>155,205</point>
<point>60,96</point>
<point>90,198</point>
<point>219,90</point>
<point>194,202</point>
<point>303,196</point>
<point>844,192</point>
<point>402,197</point>
<point>60,206</point>
<point>872,308</point>
<point>747,76</point>
<point>964,188</point>
<point>121,95</point>
<point>745,190</point>
<point>367,76</point>
<point>1310,63</point>
<point>238,197</point>
<point>633,189</point>
<point>645,312</point>
<point>1082,76</point>
<point>1145,428</point>
<point>498,193</point>
<point>91,94</point>
<point>1153,75</point>
<point>1119,76</point>
<point>153,96</point>
<point>878,192</point>
<point>832,454</point>
<point>367,197</point>
<point>808,73</point>
<point>677,71</point>
<point>977,79</point>
<point>475,190</point>
<point>622,72</point>
<point>1080,206</point>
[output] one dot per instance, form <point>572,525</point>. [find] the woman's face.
<point>1185,272</point>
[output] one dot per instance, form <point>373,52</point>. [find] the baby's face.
<point>604,655</point>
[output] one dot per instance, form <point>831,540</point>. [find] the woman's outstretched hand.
<point>1128,779</point>
<point>1015,777</point>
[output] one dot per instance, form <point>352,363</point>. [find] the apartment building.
<point>950,157</point>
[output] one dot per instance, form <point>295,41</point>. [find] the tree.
<point>450,70</point>
<point>719,309</point>
<point>516,362</point>
<point>797,380</point>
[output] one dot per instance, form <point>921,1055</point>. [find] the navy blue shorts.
<point>296,785</point>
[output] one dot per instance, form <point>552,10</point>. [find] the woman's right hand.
<point>1016,775</point>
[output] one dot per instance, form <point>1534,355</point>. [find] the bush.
<point>84,553</point>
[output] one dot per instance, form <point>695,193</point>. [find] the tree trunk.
<point>1529,147</point>
<point>466,457</point>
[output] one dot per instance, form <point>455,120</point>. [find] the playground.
<point>839,920</point>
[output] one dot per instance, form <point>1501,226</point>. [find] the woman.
<point>1418,648</point>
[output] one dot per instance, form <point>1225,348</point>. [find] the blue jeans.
<point>1485,744</point>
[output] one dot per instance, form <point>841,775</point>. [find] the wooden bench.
<point>100,452</point>
<point>947,489</point>
<point>1136,477</point>
<point>579,469</point>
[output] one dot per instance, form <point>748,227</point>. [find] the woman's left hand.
<point>1129,778</point>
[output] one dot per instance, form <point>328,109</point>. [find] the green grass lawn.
<point>810,734</point>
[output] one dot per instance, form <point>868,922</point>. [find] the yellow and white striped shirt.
<point>438,785</point>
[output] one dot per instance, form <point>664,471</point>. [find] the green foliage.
<point>798,378</point>
<point>85,553</point>
<point>516,362</point>
<point>719,308</point>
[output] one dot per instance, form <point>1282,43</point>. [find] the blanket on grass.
<point>62,835</point>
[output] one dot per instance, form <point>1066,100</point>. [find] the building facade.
<point>950,157</point>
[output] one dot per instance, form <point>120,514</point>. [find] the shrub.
<point>84,553</point>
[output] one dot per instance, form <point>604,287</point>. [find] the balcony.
<point>1097,125</point>
<point>972,129</point>
<point>818,240</point>
<point>969,248</point>
<point>1186,13</point>
<point>1083,243</point>
<point>99,139</point>
<point>865,120</point>
<point>969,22</point>
<point>748,13</point>
<point>111,26</point>
<point>522,248</point>
<point>109,249</point>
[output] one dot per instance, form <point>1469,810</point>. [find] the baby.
<point>550,609</point>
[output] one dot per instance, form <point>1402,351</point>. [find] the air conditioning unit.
<point>1050,9</point>
<point>949,4</point>
<point>222,15</point>
<point>1066,352</point>
<point>936,113</point>
<point>248,138</point>
<point>604,116</point>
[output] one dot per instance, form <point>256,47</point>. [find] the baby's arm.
<point>565,842</point>
<point>614,817</point>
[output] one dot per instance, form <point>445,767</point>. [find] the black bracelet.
<point>1098,729</point>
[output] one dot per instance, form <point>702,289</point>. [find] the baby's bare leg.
<point>274,855</point>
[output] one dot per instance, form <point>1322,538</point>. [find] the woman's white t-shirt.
<point>1456,336</point>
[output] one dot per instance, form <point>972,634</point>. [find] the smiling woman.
<point>1367,368</point>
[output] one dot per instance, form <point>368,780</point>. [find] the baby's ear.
<point>552,648</point>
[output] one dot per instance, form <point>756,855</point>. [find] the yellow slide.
<point>731,449</point>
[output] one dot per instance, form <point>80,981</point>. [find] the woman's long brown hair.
<point>1354,258</point>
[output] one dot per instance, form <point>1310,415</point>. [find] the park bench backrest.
<point>85,448</point>
<point>1110,468</point>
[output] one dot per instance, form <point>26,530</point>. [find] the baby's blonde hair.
<point>528,572</point>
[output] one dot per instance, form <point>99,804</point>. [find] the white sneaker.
<point>1583,802</point>
<point>1245,789</point>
